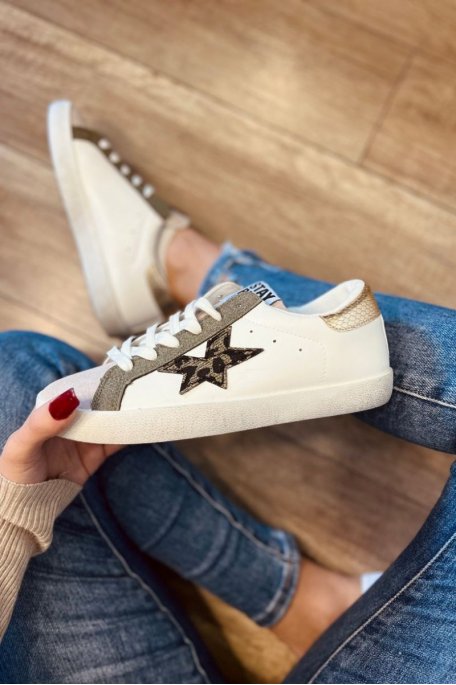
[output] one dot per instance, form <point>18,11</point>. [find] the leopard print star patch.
<point>213,367</point>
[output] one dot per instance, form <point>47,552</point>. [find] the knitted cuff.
<point>34,508</point>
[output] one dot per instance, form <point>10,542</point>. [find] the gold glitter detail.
<point>356,314</point>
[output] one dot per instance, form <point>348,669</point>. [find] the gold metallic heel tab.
<point>358,313</point>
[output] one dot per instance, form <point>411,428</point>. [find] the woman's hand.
<point>34,453</point>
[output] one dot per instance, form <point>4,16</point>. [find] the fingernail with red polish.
<point>63,405</point>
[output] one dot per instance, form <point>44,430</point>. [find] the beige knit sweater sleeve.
<point>27,515</point>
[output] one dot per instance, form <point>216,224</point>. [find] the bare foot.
<point>321,597</point>
<point>188,259</point>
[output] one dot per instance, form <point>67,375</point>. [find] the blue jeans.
<point>97,608</point>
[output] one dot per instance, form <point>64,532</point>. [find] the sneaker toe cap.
<point>84,383</point>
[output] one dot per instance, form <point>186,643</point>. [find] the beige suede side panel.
<point>110,392</point>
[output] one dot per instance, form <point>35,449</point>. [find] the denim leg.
<point>422,340</point>
<point>92,609</point>
<point>174,515</point>
<point>29,362</point>
<point>403,630</point>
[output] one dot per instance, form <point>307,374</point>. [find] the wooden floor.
<point>318,132</point>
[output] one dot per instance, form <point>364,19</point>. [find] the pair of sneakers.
<point>236,358</point>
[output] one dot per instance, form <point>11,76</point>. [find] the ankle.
<point>321,597</point>
<point>188,259</point>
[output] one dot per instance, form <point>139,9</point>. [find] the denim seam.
<point>423,397</point>
<point>285,592</point>
<point>146,589</point>
<point>382,608</point>
<point>225,512</point>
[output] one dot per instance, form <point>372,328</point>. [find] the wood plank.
<point>416,140</point>
<point>235,177</point>
<point>425,24</point>
<point>268,59</point>
<point>39,266</point>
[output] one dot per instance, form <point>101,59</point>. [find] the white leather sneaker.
<point>232,360</point>
<point>121,227</point>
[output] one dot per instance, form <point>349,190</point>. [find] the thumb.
<point>43,423</point>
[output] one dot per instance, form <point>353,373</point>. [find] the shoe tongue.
<point>265,293</point>
<point>221,292</point>
<point>225,291</point>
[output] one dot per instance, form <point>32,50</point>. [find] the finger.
<point>43,423</point>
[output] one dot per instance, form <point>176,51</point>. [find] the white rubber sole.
<point>130,426</point>
<point>82,223</point>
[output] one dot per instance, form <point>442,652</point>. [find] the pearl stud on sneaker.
<point>120,225</point>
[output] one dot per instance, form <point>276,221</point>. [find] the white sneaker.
<point>120,226</point>
<point>232,360</point>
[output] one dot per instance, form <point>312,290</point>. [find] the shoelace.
<point>162,334</point>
